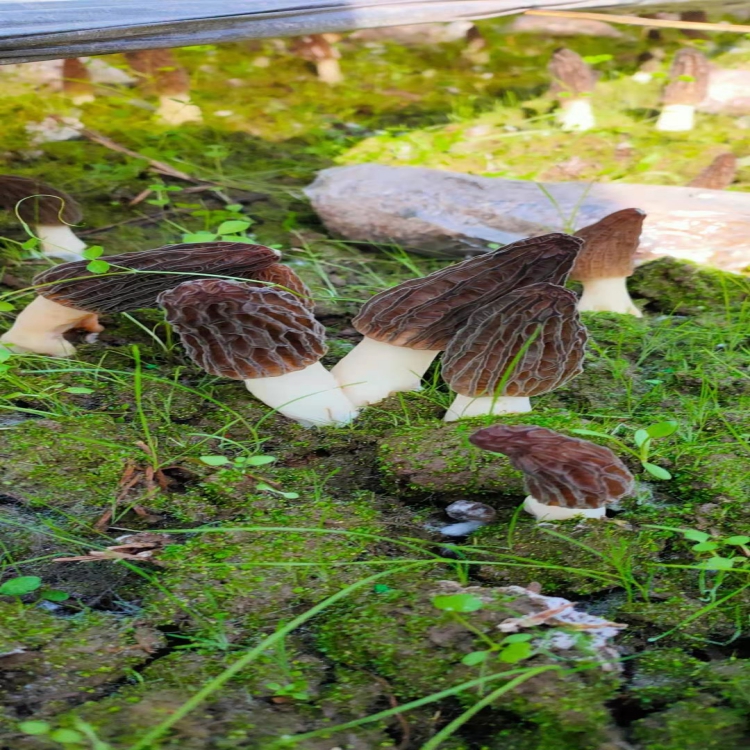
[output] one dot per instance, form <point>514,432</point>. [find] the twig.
<point>637,21</point>
<point>405,728</point>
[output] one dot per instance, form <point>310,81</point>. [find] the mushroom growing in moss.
<point>572,83</point>
<point>718,175</point>
<point>524,344</point>
<point>407,326</point>
<point>606,260</point>
<point>48,210</point>
<point>263,336</point>
<point>320,50</point>
<point>71,297</point>
<point>564,476</point>
<point>687,88</point>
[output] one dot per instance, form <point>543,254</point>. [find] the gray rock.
<point>450,214</point>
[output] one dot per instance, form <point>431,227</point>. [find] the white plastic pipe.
<point>464,407</point>
<point>607,295</point>
<point>543,512</point>
<point>576,115</point>
<point>676,118</point>
<point>58,241</point>
<point>373,370</point>
<point>39,328</point>
<point>311,397</point>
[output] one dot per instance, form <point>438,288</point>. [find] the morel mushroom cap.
<point>405,327</point>
<point>565,476</point>
<point>70,296</point>
<point>687,88</point>
<point>263,336</point>
<point>718,175</point>
<point>48,210</point>
<point>572,81</point>
<point>320,50</point>
<point>283,277</point>
<point>607,259</point>
<point>478,358</point>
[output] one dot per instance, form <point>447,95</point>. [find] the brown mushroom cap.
<point>314,48</point>
<point>242,332</point>
<point>718,175</point>
<point>71,285</point>
<point>570,74</point>
<point>426,313</point>
<point>476,359</point>
<point>44,204</point>
<point>282,276</point>
<point>688,78</point>
<point>559,470</point>
<point>609,246</point>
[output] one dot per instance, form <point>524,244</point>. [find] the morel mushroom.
<point>76,81</point>
<point>286,280</point>
<point>263,336</point>
<point>482,365</point>
<point>48,210</point>
<point>406,327</point>
<point>161,73</point>
<point>686,89</point>
<point>572,83</point>
<point>564,476</point>
<point>718,175</point>
<point>606,260</point>
<point>71,297</point>
<point>320,50</point>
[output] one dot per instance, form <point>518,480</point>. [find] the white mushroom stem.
<point>59,241</point>
<point>543,512</point>
<point>676,118</point>
<point>463,528</point>
<point>576,115</point>
<point>329,70</point>
<point>310,396</point>
<point>175,110</point>
<point>39,328</point>
<point>607,295</point>
<point>464,407</point>
<point>373,370</point>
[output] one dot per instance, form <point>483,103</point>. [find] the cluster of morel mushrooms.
<point>506,326</point>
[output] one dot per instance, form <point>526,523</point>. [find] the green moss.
<point>664,676</point>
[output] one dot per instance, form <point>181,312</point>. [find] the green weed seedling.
<point>242,463</point>
<point>643,439</point>
<point>83,736</point>
<point>25,585</point>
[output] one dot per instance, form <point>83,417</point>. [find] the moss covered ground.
<point>289,602</point>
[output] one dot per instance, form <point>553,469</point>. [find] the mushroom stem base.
<point>329,71</point>
<point>464,407</point>
<point>543,512</point>
<point>607,295</point>
<point>373,370</point>
<point>576,115</point>
<point>59,241</point>
<point>177,110</point>
<point>39,328</point>
<point>311,397</point>
<point>676,118</point>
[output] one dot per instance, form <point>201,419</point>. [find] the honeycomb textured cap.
<point>570,74</point>
<point>427,313</point>
<point>43,204</point>
<point>559,470</point>
<point>282,276</point>
<point>688,78</point>
<point>609,246</point>
<point>718,175</point>
<point>243,332</point>
<point>478,357</point>
<point>70,284</point>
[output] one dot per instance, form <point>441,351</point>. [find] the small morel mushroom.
<point>76,81</point>
<point>71,297</point>
<point>48,210</point>
<point>407,326</point>
<point>481,354</point>
<point>572,83</point>
<point>565,476</point>
<point>161,73</point>
<point>687,87</point>
<point>606,260</point>
<point>320,50</point>
<point>718,175</point>
<point>263,336</point>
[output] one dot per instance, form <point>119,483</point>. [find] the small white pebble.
<point>261,62</point>
<point>224,113</point>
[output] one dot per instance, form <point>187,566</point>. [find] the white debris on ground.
<point>52,129</point>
